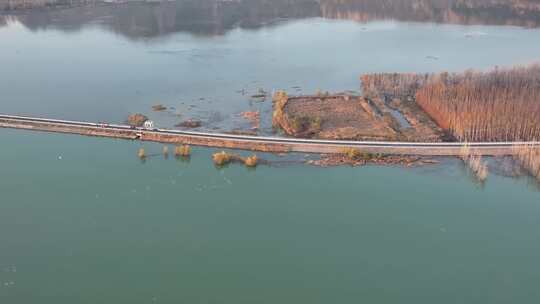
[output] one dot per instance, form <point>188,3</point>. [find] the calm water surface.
<point>82,220</point>
<point>102,72</point>
<point>99,226</point>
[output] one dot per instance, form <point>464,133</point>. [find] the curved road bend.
<point>256,142</point>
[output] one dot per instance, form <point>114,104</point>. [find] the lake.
<point>83,220</point>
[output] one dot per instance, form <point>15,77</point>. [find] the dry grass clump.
<point>529,157</point>
<point>136,120</point>
<point>165,151</point>
<point>305,125</point>
<point>224,158</point>
<point>221,158</point>
<point>351,153</point>
<point>141,153</point>
<point>182,151</point>
<point>478,167</point>
<point>251,161</point>
<point>280,99</point>
<point>254,117</point>
<point>159,108</point>
<point>356,154</point>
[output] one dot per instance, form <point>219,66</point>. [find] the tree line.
<point>498,105</point>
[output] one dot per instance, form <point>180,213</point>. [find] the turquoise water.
<point>83,220</point>
<point>99,226</point>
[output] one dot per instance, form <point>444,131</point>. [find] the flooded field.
<point>84,220</point>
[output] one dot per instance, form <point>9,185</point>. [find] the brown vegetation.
<point>159,108</point>
<point>354,157</point>
<point>251,161</point>
<point>221,158</point>
<point>136,120</point>
<point>279,100</point>
<point>478,167</point>
<point>190,123</point>
<point>182,151</point>
<point>166,151</point>
<point>305,125</point>
<point>141,154</point>
<point>254,117</point>
<point>224,158</point>
<point>529,157</point>
<point>392,85</point>
<point>356,154</point>
<point>501,105</point>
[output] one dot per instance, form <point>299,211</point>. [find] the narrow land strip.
<point>255,143</point>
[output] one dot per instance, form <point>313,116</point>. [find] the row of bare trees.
<point>500,105</point>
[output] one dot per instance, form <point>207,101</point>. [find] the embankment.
<point>254,143</point>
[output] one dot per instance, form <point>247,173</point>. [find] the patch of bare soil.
<point>331,117</point>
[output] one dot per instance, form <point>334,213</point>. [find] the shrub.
<point>136,120</point>
<point>251,161</point>
<point>184,151</point>
<point>351,153</point>
<point>306,124</point>
<point>221,158</point>
<point>141,153</point>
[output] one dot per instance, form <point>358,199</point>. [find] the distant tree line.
<point>27,4</point>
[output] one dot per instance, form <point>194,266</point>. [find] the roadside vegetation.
<point>529,157</point>
<point>477,166</point>
<point>356,154</point>
<point>136,120</point>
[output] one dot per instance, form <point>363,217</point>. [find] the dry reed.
<point>221,158</point>
<point>141,153</point>
<point>251,161</point>
<point>478,167</point>
<point>182,151</point>
<point>529,157</point>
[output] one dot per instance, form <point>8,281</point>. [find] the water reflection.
<point>524,13</point>
<point>152,19</point>
<point>140,19</point>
